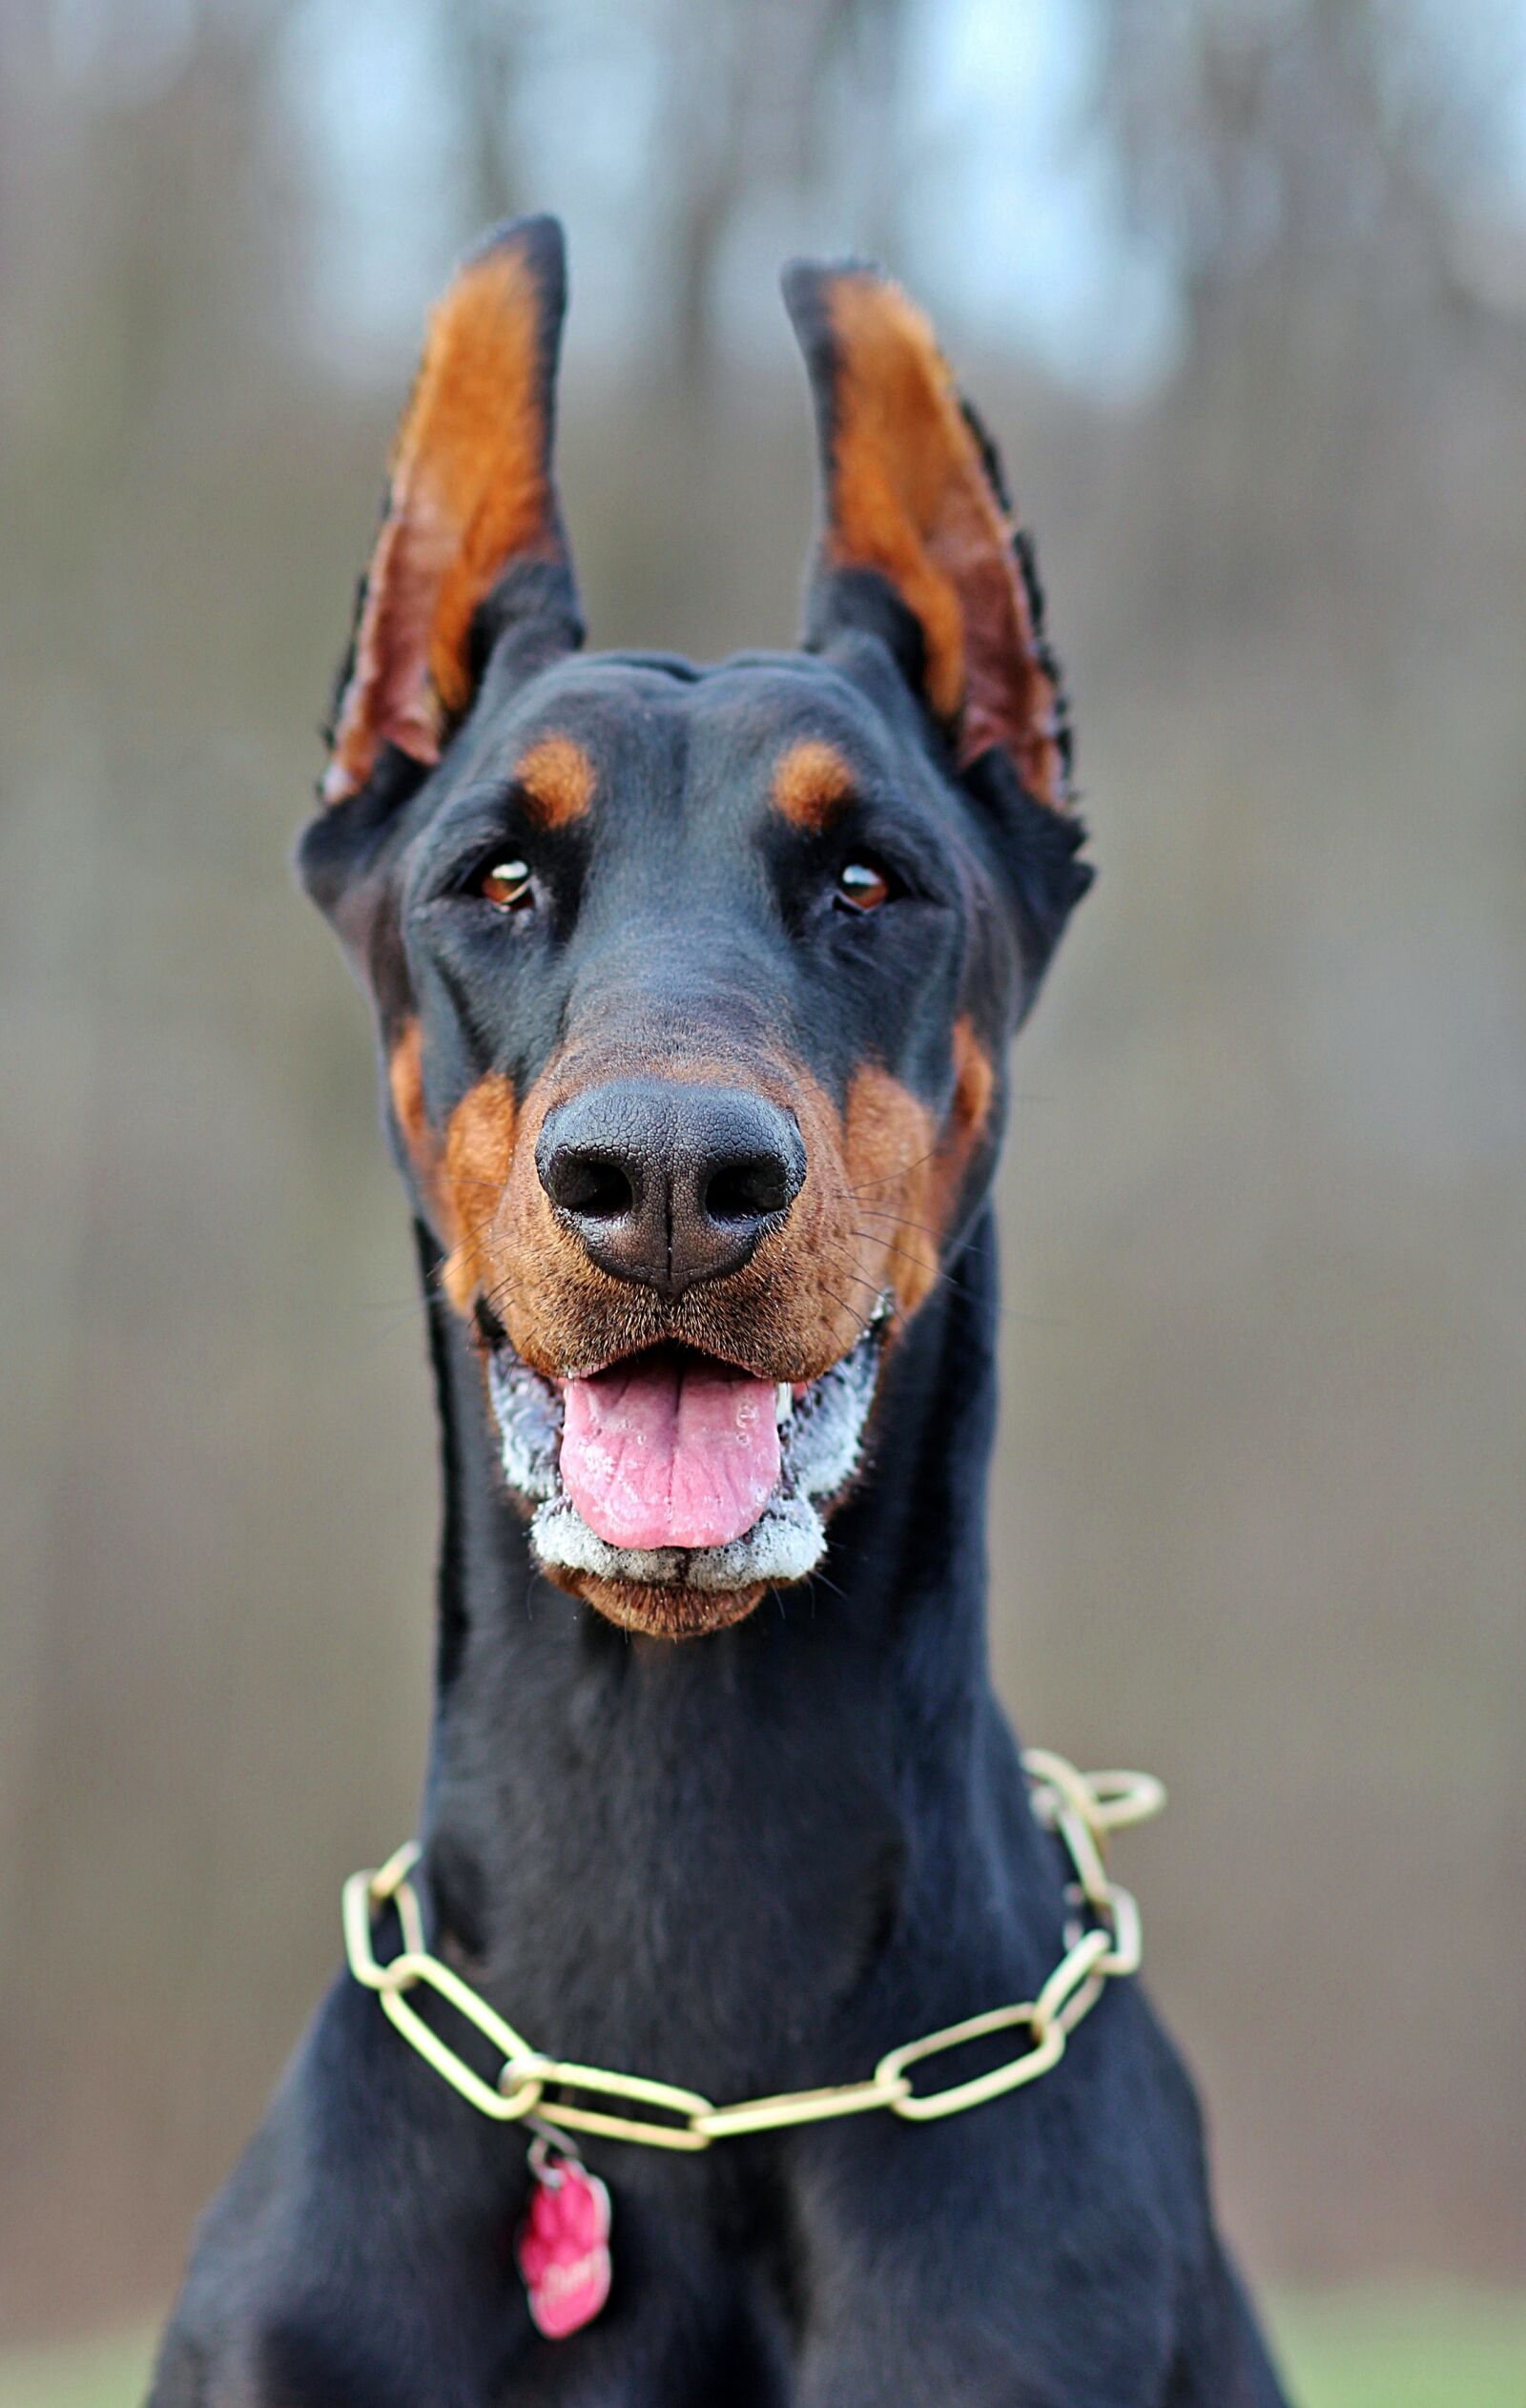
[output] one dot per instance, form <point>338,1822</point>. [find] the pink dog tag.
<point>564,2244</point>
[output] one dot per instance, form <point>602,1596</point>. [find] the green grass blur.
<point>1420,2348</point>
<point>88,2375</point>
<point>1423,2348</point>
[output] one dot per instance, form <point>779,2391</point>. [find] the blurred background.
<point>1242,286</point>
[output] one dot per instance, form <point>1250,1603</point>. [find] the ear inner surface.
<point>913,493</point>
<point>471,494</point>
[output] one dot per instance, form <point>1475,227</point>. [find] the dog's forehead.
<point>760,725</point>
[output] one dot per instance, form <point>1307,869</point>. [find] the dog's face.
<point>693,983</point>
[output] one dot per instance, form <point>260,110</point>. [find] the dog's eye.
<point>508,886</point>
<point>862,886</point>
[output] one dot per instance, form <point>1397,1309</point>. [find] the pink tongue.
<point>668,1452</point>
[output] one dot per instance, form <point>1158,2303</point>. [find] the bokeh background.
<point>1242,286</point>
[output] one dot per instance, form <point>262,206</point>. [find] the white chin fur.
<point>820,1441</point>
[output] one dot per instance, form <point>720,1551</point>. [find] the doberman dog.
<point>694,987</point>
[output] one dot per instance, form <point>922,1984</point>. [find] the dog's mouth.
<point>671,1469</point>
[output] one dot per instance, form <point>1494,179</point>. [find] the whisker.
<point>843,1266</point>
<point>879,1212</point>
<point>856,1318</point>
<point>919,1262</point>
<point>813,1578</point>
<point>899,1173</point>
<point>505,1292</point>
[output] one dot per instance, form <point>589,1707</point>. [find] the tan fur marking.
<point>469,492</point>
<point>968,1120</point>
<point>479,1155</point>
<point>882,1183</point>
<point>888,1144</point>
<point>405,1083</point>
<point>810,782</point>
<point>658,1613</point>
<point>405,1086</point>
<point>910,497</point>
<point>557,778</point>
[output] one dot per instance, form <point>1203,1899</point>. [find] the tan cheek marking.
<point>405,1083</point>
<point>478,1156</point>
<point>968,1119</point>
<point>557,778</point>
<point>888,1142</point>
<point>811,783</point>
<point>906,1175</point>
<point>513,1251</point>
<point>883,1178</point>
<point>405,1086</point>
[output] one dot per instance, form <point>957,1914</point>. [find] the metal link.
<point>1108,1802</point>
<point>1128,1937</point>
<point>690,2105</point>
<point>801,2107</point>
<point>517,2090</point>
<point>1085,1999</point>
<point>1102,1944</point>
<point>360,1894</point>
<point>389,1880</point>
<point>1121,1800</point>
<point>1076,1972</point>
<point>489,2098</point>
<point>1047,2050</point>
<point>1063,1801</point>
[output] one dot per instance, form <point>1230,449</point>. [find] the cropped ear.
<point>913,497</point>
<point>470,515</point>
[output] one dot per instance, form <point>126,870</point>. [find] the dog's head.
<point>694,984</point>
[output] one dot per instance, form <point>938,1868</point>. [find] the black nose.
<point>670,1184</point>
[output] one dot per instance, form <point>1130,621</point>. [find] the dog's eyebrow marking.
<point>812,781</point>
<point>556,779</point>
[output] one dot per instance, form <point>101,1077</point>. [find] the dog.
<point>693,989</point>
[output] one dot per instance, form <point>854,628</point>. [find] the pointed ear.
<point>913,497</point>
<point>470,514</point>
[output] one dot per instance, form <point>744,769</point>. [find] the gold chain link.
<point>1103,1941</point>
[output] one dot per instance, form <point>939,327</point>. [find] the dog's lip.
<point>756,1364</point>
<point>750,1366</point>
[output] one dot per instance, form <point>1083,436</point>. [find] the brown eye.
<point>508,886</point>
<point>862,887</point>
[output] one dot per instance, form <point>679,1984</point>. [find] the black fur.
<point>755,1861</point>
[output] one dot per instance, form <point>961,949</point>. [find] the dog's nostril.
<point>668,1182</point>
<point>748,1191</point>
<point>595,1190</point>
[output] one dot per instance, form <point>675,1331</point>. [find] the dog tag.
<point>563,2246</point>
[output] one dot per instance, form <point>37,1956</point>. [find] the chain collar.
<point>1102,1942</point>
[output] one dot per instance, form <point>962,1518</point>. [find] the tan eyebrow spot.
<point>557,779</point>
<point>810,782</point>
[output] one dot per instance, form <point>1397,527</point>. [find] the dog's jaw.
<point>680,1592</point>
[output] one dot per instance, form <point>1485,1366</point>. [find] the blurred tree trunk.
<point>1308,170</point>
<point>483,42</point>
<point>758,107</point>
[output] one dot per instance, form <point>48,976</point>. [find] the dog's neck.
<point>759,1823</point>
